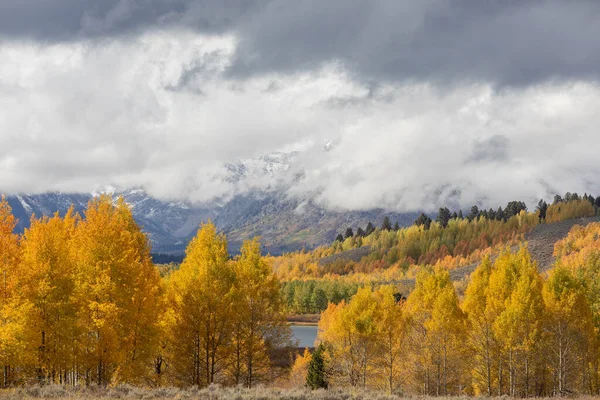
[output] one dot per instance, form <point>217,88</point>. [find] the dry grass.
<point>211,393</point>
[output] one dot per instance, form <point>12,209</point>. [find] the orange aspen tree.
<point>11,312</point>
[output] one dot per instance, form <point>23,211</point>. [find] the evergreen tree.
<point>316,379</point>
<point>500,214</point>
<point>454,215</point>
<point>339,238</point>
<point>360,232</point>
<point>568,197</point>
<point>370,229</point>
<point>386,225</point>
<point>460,214</point>
<point>591,199</point>
<point>557,199</point>
<point>396,226</point>
<point>423,220</point>
<point>349,233</point>
<point>598,201</point>
<point>474,214</point>
<point>443,216</point>
<point>541,208</point>
<point>514,208</point>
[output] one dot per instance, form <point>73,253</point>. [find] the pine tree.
<point>339,238</point>
<point>424,221</point>
<point>541,208</point>
<point>557,199</point>
<point>316,377</point>
<point>360,232</point>
<point>349,233</point>
<point>370,229</point>
<point>514,208</point>
<point>386,224</point>
<point>474,213</point>
<point>500,214</point>
<point>396,227</point>
<point>443,216</point>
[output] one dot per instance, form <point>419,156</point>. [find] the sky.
<point>403,105</point>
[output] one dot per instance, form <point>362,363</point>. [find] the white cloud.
<point>158,110</point>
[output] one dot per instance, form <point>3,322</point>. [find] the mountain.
<point>284,223</point>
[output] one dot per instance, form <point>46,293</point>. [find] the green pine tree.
<point>316,379</point>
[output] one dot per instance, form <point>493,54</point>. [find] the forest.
<point>83,305</point>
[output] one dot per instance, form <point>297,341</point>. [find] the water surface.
<point>305,334</point>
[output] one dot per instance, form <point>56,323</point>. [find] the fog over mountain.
<point>284,222</point>
<point>383,105</point>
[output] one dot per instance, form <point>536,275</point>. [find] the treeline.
<point>313,296</point>
<point>576,206</point>
<point>514,333</point>
<point>81,303</point>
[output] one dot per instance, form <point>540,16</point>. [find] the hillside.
<point>541,241</point>
<point>283,223</point>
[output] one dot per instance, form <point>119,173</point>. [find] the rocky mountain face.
<point>283,222</point>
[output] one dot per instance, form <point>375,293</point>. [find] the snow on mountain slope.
<point>284,223</point>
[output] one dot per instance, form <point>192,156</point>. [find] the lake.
<point>305,334</point>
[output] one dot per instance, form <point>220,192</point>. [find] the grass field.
<point>211,393</point>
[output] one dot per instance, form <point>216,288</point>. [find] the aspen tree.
<point>259,321</point>
<point>481,338</point>
<point>11,312</point>
<point>46,283</point>
<point>571,330</point>
<point>201,298</point>
<point>118,291</point>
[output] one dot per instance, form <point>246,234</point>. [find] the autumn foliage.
<point>513,333</point>
<point>83,304</point>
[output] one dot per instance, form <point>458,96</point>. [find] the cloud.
<point>382,104</point>
<point>506,43</point>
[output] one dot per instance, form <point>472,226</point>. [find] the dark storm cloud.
<point>512,43</point>
<point>63,20</point>
<point>504,42</point>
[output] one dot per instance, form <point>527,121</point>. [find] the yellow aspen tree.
<point>390,331</point>
<point>571,330</point>
<point>480,335</point>
<point>579,252</point>
<point>299,370</point>
<point>118,291</point>
<point>201,300</point>
<point>436,334</point>
<point>47,282</point>
<point>11,311</point>
<point>350,336</point>
<point>502,282</point>
<point>520,327</point>
<point>259,318</point>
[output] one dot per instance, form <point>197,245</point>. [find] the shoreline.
<point>304,319</point>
